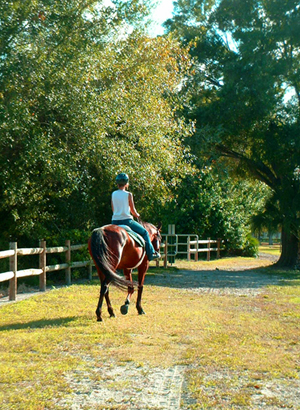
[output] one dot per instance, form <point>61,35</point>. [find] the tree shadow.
<point>38,324</point>
<point>255,278</point>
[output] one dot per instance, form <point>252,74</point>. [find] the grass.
<point>270,249</point>
<point>231,345</point>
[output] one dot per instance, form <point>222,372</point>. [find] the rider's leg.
<point>138,228</point>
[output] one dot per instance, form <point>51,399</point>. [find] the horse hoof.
<point>142,312</point>
<point>99,319</point>
<point>112,315</point>
<point>124,309</point>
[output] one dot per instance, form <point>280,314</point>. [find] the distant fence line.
<point>171,247</point>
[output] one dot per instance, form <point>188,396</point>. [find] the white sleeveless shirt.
<point>120,201</point>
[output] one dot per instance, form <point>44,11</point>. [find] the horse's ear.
<point>159,226</point>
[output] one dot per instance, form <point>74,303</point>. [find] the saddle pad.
<point>135,236</point>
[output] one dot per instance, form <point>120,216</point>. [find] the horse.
<point>112,249</point>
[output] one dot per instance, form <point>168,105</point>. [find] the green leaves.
<point>211,204</point>
<point>246,58</point>
<point>84,96</point>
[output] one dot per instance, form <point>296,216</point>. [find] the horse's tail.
<point>102,257</point>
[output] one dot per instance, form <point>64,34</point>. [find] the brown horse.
<point>112,248</point>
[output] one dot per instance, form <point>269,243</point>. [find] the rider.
<point>123,208</point>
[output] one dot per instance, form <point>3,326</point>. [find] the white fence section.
<point>189,245</point>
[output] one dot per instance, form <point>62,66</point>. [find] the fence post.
<point>208,250</point>
<point>157,261</point>
<point>13,266</point>
<point>68,261</point>
<point>218,248</point>
<point>197,249</point>
<point>189,248</point>
<point>172,239</point>
<point>43,263</point>
<point>166,253</point>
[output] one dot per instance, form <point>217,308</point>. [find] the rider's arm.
<point>132,207</point>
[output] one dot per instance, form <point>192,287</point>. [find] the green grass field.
<point>230,345</point>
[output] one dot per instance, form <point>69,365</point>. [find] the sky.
<point>161,13</point>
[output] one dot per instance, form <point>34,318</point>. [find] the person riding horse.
<point>123,208</point>
<point>112,249</point>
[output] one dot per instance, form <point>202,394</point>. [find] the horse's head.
<point>154,233</point>
<point>155,236</point>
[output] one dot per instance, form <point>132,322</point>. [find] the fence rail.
<point>14,274</point>
<point>173,246</point>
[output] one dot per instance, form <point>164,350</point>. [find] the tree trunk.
<point>290,253</point>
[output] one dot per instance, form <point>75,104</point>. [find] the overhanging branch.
<point>258,169</point>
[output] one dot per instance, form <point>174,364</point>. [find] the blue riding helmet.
<point>122,178</point>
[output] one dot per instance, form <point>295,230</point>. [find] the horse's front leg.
<point>128,275</point>
<point>141,277</point>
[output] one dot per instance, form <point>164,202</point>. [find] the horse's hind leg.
<point>141,277</point>
<point>109,307</point>
<point>103,292</point>
<point>139,300</point>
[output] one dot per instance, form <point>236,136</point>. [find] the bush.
<point>249,247</point>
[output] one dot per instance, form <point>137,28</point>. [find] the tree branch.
<point>257,169</point>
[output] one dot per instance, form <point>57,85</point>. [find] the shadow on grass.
<point>38,324</point>
<point>182,278</point>
<point>219,279</point>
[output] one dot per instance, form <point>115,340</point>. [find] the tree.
<point>212,204</point>
<point>246,95</point>
<point>84,94</point>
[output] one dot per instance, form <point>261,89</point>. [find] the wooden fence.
<point>13,274</point>
<point>173,245</point>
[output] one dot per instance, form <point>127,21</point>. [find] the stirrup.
<point>156,255</point>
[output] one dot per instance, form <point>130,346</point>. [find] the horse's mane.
<point>150,227</point>
<point>143,223</point>
<point>147,225</point>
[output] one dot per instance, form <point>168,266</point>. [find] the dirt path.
<point>215,279</point>
<point>142,388</point>
<point>127,387</point>
<point>222,278</point>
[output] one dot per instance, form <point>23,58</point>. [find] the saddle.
<point>139,240</point>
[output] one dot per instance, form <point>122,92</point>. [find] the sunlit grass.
<point>47,336</point>
<point>270,249</point>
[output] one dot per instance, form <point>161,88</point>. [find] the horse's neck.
<point>150,229</point>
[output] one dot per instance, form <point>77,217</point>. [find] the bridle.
<point>157,240</point>
<point>157,236</point>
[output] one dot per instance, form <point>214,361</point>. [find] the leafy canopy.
<point>84,94</point>
<point>246,90</point>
